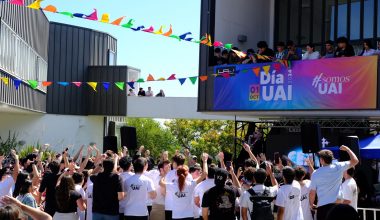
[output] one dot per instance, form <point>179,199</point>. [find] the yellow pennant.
<point>266,69</point>
<point>35,5</point>
<point>5,80</point>
<point>93,85</point>
<point>105,18</point>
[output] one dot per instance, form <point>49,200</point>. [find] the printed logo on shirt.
<point>135,187</point>
<point>180,194</point>
<point>303,197</point>
<point>291,196</point>
<point>89,195</point>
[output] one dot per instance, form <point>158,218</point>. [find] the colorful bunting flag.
<point>17,2</point>
<point>138,28</point>
<point>33,84</point>
<point>149,30</point>
<point>92,85</point>
<point>266,69</point>
<point>46,83</point>
<point>105,18</point>
<point>150,78</point>
<point>161,79</point>
<point>167,34</point>
<point>277,66</point>
<point>131,84</point>
<point>79,15</point>
<point>93,16</point>
<point>106,85</point>
<point>77,84</point>
<point>239,53</point>
<point>129,24</point>
<point>63,83</point>
<point>118,21</point>
<point>141,80</point>
<point>159,31</point>
<point>120,85</point>
<point>226,75</point>
<point>175,37</point>
<point>203,78</point>
<point>228,46</point>
<point>17,83</point>
<point>35,5</point>
<point>5,80</point>
<point>183,36</point>
<point>193,79</point>
<point>172,77</point>
<point>67,14</point>
<point>50,8</point>
<point>218,44</point>
<point>182,81</point>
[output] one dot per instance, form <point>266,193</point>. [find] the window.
<point>305,21</point>
<point>294,21</point>
<point>342,18</point>
<point>282,20</point>
<point>355,20</point>
<point>329,20</point>
<point>111,58</point>
<point>368,18</point>
<point>317,22</point>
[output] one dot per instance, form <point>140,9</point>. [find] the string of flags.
<point>34,84</point>
<point>105,18</point>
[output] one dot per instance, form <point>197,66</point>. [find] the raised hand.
<point>263,157</point>
<point>247,147</point>
<point>344,148</point>
<point>204,157</point>
<point>221,156</point>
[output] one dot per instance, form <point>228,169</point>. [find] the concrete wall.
<point>57,130</point>
<point>254,18</point>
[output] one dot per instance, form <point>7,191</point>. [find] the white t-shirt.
<point>137,188</point>
<point>200,189</point>
<point>124,176</point>
<point>289,197</point>
<point>170,178</point>
<point>149,93</point>
<point>305,205</point>
<point>90,187</point>
<point>182,200</point>
<point>155,177</point>
<point>246,201</point>
<point>350,192</point>
<point>79,189</point>
<point>6,186</point>
<point>326,181</point>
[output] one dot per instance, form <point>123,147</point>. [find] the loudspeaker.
<point>351,142</point>
<point>129,138</point>
<point>310,138</point>
<point>111,128</point>
<point>110,143</point>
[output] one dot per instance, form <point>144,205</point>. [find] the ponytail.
<point>182,172</point>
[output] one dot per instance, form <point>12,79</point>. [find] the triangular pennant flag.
<point>150,78</point>
<point>182,80</point>
<point>106,85</point>
<point>203,78</point>
<point>63,83</point>
<point>93,16</point>
<point>205,40</point>
<point>141,80</point>
<point>33,84</point>
<point>67,14</point>
<point>35,5</point>
<point>218,44</point>
<point>183,36</point>
<point>131,84</point>
<point>277,66</point>
<point>77,84</point>
<point>50,8</point>
<point>129,24</point>
<point>79,15</point>
<point>118,21</point>
<point>46,83</point>
<point>244,71</point>
<point>161,79</point>
<point>289,64</point>
<point>159,31</point>
<point>266,69</point>
<point>5,80</point>
<point>139,28</point>
<point>17,83</point>
<point>172,77</point>
<point>167,34</point>
<point>120,85</point>
<point>226,75</point>
<point>256,71</point>
<point>92,85</point>
<point>175,37</point>
<point>17,2</point>
<point>189,39</point>
<point>149,30</point>
<point>193,79</point>
<point>228,46</point>
<point>209,43</point>
<point>105,18</point>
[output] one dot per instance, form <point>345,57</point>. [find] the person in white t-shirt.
<point>182,191</point>
<point>289,197</point>
<point>8,181</point>
<point>89,190</point>
<point>202,188</point>
<point>125,164</point>
<point>158,207</point>
<point>78,180</point>
<point>149,93</point>
<point>137,188</point>
<point>350,189</point>
<point>305,190</point>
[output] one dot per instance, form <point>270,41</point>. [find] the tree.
<point>153,136</point>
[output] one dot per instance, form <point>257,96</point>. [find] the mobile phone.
<point>228,165</point>
<point>276,158</point>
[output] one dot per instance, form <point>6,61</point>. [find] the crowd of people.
<point>290,51</point>
<point>120,185</point>
<point>148,93</point>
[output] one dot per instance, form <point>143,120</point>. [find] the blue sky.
<point>151,53</point>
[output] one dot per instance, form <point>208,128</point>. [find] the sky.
<point>152,54</point>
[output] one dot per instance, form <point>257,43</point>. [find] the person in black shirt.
<point>219,201</point>
<point>141,92</point>
<point>264,51</point>
<point>68,200</point>
<point>345,49</point>
<point>107,192</point>
<point>48,184</point>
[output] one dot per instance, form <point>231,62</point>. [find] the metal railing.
<point>368,214</point>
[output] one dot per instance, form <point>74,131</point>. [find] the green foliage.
<point>153,136</point>
<point>25,151</point>
<point>7,145</point>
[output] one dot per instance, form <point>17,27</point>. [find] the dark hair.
<point>260,176</point>
<point>54,167</point>
<point>220,177</point>
<point>9,212</point>
<point>262,44</point>
<point>211,171</point>
<point>342,211</point>
<point>3,172</point>
<point>78,178</point>
<point>192,169</point>
<point>288,174</point>
<point>225,52</point>
<point>311,45</point>
<point>179,159</point>
<point>249,174</point>
<point>162,164</point>
<point>139,164</point>
<point>217,50</point>
<point>290,43</point>
<point>250,163</point>
<point>330,42</point>
<point>25,187</point>
<point>182,173</point>
<point>351,172</point>
<point>369,43</point>
<point>108,165</point>
<point>342,40</point>
<point>125,163</point>
<point>62,194</point>
<point>21,178</point>
<point>300,173</point>
<point>280,44</point>
<point>250,51</point>
<point>326,155</point>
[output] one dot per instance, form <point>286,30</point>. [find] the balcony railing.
<point>18,59</point>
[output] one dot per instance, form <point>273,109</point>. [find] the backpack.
<point>262,205</point>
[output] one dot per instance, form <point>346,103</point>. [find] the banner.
<point>325,84</point>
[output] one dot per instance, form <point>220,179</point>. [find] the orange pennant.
<point>118,21</point>
<point>150,78</point>
<point>50,8</point>
<point>46,83</point>
<point>203,78</point>
<point>167,34</point>
<point>256,71</point>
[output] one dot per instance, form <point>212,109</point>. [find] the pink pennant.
<point>218,44</point>
<point>78,84</point>
<point>226,75</point>
<point>277,66</point>
<point>149,30</point>
<point>172,77</point>
<point>93,16</point>
<point>17,2</point>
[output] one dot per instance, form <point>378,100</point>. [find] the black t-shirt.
<point>221,203</point>
<point>141,93</point>
<point>72,203</point>
<point>48,183</point>
<point>106,187</point>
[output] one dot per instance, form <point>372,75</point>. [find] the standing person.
<point>126,166</point>
<point>294,53</point>
<point>161,94</point>
<point>25,196</point>
<point>68,200</point>
<point>367,49</point>
<point>141,92</point>
<point>138,188</point>
<point>225,57</point>
<point>329,49</point>
<point>305,190</point>
<point>149,159</point>
<point>326,180</point>
<point>89,191</point>
<point>289,197</point>
<point>8,181</point>
<point>345,49</point>
<point>281,52</point>
<point>311,54</point>
<point>78,181</point>
<point>107,192</point>
<point>350,189</point>
<point>204,186</point>
<point>158,207</point>
<point>219,201</point>
<point>48,185</point>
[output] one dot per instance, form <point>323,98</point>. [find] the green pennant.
<point>120,85</point>
<point>33,84</point>
<point>175,37</point>
<point>67,14</point>
<point>141,80</point>
<point>244,71</point>
<point>228,46</point>
<point>193,79</point>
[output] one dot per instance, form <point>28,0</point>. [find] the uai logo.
<point>330,85</point>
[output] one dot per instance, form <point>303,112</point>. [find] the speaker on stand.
<point>129,138</point>
<point>110,141</point>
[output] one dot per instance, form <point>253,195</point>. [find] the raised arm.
<point>32,212</point>
<point>16,168</point>
<point>353,158</point>
<point>84,163</point>
<point>235,179</point>
<point>271,175</point>
<point>221,159</point>
<point>78,153</point>
<point>249,151</point>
